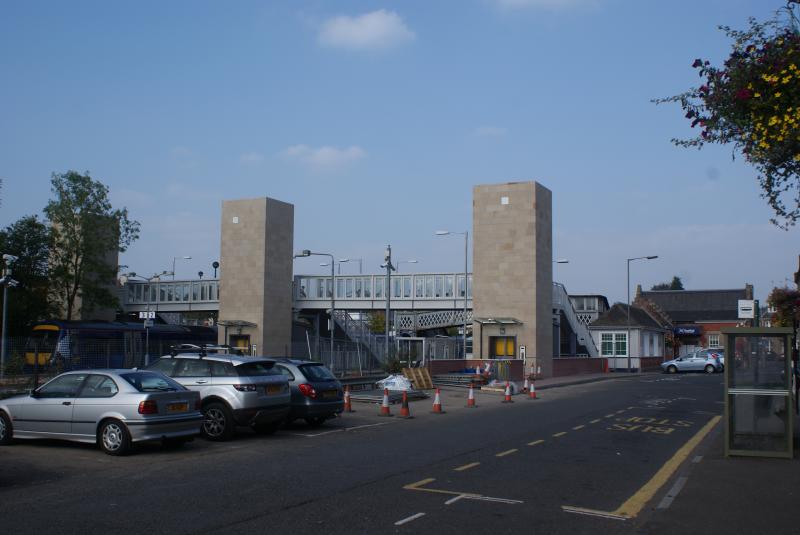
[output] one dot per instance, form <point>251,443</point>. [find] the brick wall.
<point>578,366</point>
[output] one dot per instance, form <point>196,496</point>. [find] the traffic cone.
<point>507,398</point>
<point>526,387</point>
<point>437,404</point>
<point>385,405</point>
<point>471,398</point>
<point>532,391</point>
<point>404,411</point>
<point>348,407</point>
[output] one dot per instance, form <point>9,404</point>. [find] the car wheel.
<point>114,438</point>
<point>6,432</point>
<point>710,368</point>
<point>315,421</point>
<point>672,369</point>
<point>267,429</point>
<point>218,423</point>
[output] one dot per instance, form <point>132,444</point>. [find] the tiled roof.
<point>697,305</point>
<point>617,316</point>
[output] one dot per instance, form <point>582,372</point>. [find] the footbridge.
<point>420,301</point>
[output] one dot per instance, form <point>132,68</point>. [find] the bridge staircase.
<point>563,307</point>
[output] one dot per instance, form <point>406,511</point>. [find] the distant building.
<point>647,337</point>
<point>697,316</point>
<point>589,307</point>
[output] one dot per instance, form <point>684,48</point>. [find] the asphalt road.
<point>580,459</point>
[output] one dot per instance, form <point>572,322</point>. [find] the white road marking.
<point>697,459</point>
<point>490,499</point>
<point>454,500</point>
<point>591,512</point>
<point>673,492</point>
<point>312,435</point>
<point>409,519</point>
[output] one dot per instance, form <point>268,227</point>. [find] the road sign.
<point>522,352</point>
<point>746,309</point>
<point>148,324</point>
<point>151,315</point>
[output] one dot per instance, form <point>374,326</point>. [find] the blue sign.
<point>687,330</point>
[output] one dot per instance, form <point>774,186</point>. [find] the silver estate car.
<point>235,390</point>
<point>114,408</point>
<point>693,362</point>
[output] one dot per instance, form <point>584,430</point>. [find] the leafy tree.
<point>787,306</point>
<point>29,240</point>
<point>676,284</point>
<point>85,229</point>
<point>377,322</point>
<point>752,102</point>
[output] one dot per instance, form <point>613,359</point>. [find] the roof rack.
<point>203,349</point>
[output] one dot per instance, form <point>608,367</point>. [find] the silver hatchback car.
<point>114,408</point>
<point>235,390</point>
<point>693,362</point>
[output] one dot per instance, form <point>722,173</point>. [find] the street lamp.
<point>338,266</point>
<point>343,260</point>
<point>560,261</point>
<point>466,279</point>
<point>173,263</point>
<point>628,288</point>
<point>406,262</point>
<point>305,253</point>
<point>387,263</point>
<point>5,282</point>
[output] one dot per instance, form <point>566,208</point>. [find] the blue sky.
<point>375,119</point>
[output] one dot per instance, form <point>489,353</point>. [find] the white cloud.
<point>543,4</point>
<point>371,31</point>
<point>324,157</point>
<point>490,131</point>
<point>251,158</point>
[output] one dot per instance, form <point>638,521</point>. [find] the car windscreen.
<point>257,369</point>
<point>316,372</point>
<point>151,382</point>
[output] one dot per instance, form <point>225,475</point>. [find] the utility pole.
<point>387,258</point>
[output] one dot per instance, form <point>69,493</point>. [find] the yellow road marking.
<point>419,484</point>
<point>610,415</point>
<point>466,467</point>
<point>578,427</point>
<point>507,452</point>
<point>561,434</point>
<point>535,442</point>
<point>595,421</point>
<point>634,505</point>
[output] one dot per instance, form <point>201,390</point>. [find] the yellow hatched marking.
<point>419,484</point>
<point>535,442</point>
<point>466,467</point>
<point>507,452</point>
<point>561,434</point>
<point>578,427</point>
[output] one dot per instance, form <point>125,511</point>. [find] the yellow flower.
<point>756,95</point>
<point>778,94</point>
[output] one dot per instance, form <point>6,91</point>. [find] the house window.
<point>713,340</point>
<point>607,344</point>
<point>620,344</point>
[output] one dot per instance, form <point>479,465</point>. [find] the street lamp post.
<point>466,279</point>
<point>560,261</point>
<point>406,262</point>
<point>173,263</point>
<point>305,253</point>
<point>6,281</point>
<point>387,263</point>
<point>338,266</point>
<point>344,260</point>
<point>628,288</point>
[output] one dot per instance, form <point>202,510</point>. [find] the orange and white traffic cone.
<point>385,405</point>
<point>507,398</point>
<point>471,398</point>
<point>348,407</point>
<point>527,385</point>
<point>532,391</point>
<point>437,403</point>
<point>404,410</point>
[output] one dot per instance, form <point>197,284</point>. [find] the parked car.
<point>693,362</point>
<point>235,390</point>
<point>113,408</point>
<point>717,352</point>
<point>316,393</point>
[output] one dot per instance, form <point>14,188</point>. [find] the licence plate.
<point>177,407</point>
<point>330,394</point>
<point>274,389</point>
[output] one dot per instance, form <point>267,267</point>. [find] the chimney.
<point>638,291</point>
<point>748,291</point>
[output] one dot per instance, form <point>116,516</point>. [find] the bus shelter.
<point>758,392</point>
